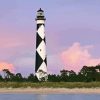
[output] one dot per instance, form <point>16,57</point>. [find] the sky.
<point>72,34</point>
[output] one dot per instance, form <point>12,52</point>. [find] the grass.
<point>49,85</point>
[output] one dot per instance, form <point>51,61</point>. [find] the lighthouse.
<point>41,57</point>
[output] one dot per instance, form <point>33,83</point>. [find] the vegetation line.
<point>50,85</point>
<point>86,74</point>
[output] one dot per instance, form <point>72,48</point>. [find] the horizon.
<point>72,34</point>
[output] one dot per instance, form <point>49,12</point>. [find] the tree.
<point>64,75</point>
<point>8,75</point>
<point>18,77</point>
<point>32,78</point>
<point>72,76</point>
<point>89,72</point>
<point>53,78</point>
<point>1,78</point>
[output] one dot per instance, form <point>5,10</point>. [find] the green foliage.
<point>86,74</point>
<point>49,84</point>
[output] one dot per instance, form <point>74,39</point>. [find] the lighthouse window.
<point>40,49</point>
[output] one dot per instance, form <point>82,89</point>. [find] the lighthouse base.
<point>41,75</point>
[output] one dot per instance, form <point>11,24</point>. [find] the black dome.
<point>40,10</point>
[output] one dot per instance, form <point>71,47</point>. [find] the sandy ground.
<point>51,90</point>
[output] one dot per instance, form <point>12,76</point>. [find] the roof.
<point>40,10</point>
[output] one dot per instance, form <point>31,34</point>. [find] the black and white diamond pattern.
<point>41,49</point>
<point>41,31</point>
<point>41,59</point>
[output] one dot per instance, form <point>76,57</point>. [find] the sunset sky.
<point>72,34</point>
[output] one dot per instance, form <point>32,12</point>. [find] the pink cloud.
<point>76,56</point>
<point>5,65</point>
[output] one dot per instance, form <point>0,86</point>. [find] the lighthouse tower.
<point>41,58</point>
